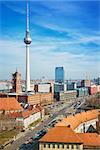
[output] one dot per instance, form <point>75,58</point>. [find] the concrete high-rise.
<point>27,41</point>
<point>59,74</point>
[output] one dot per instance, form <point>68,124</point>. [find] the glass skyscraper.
<point>59,74</point>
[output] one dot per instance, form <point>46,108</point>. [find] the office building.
<point>98,81</point>
<point>59,74</point>
<point>71,86</point>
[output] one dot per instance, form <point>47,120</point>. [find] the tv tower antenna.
<point>27,41</point>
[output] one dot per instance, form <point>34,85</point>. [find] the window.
<point>44,145</point>
<point>62,145</point>
<point>48,145</point>
<point>58,146</point>
<point>53,145</point>
<point>77,146</point>
<point>72,146</point>
<point>67,145</point>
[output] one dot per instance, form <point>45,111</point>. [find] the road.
<point>30,133</point>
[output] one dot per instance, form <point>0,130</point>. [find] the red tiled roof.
<point>27,113</point>
<point>76,120</point>
<point>62,135</point>
<point>90,139</point>
<point>24,114</point>
<point>9,104</point>
<point>15,114</point>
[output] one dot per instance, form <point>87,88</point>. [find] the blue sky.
<point>64,33</point>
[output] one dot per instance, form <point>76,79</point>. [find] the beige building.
<point>64,138</point>
<point>61,138</point>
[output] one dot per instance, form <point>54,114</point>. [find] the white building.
<point>29,117</point>
<point>81,121</point>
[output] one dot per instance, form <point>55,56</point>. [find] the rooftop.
<point>61,134</point>
<point>26,113</point>
<point>75,120</point>
<point>8,104</point>
<point>90,139</point>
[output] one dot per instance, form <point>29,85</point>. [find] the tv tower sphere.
<point>27,39</point>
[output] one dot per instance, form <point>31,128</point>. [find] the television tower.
<point>27,41</point>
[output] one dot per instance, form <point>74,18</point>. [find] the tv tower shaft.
<point>27,41</point>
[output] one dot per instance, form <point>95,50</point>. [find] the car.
<point>28,146</point>
<point>23,130</point>
<point>39,134</point>
<point>22,146</point>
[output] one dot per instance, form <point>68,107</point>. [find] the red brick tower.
<point>16,82</point>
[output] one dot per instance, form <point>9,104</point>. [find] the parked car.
<point>39,134</point>
<point>28,146</point>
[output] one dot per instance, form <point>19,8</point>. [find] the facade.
<point>27,117</point>
<point>98,88</point>
<point>58,87</point>
<point>59,74</point>
<point>16,83</point>
<point>5,86</point>
<point>71,86</point>
<point>86,83</point>
<point>6,122</point>
<point>43,88</point>
<point>98,80</point>
<point>68,95</point>
<point>78,84</point>
<point>38,98</point>
<point>92,89</point>
<point>83,91</point>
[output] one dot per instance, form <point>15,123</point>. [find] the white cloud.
<point>44,57</point>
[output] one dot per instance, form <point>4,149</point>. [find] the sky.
<point>64,33</point>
